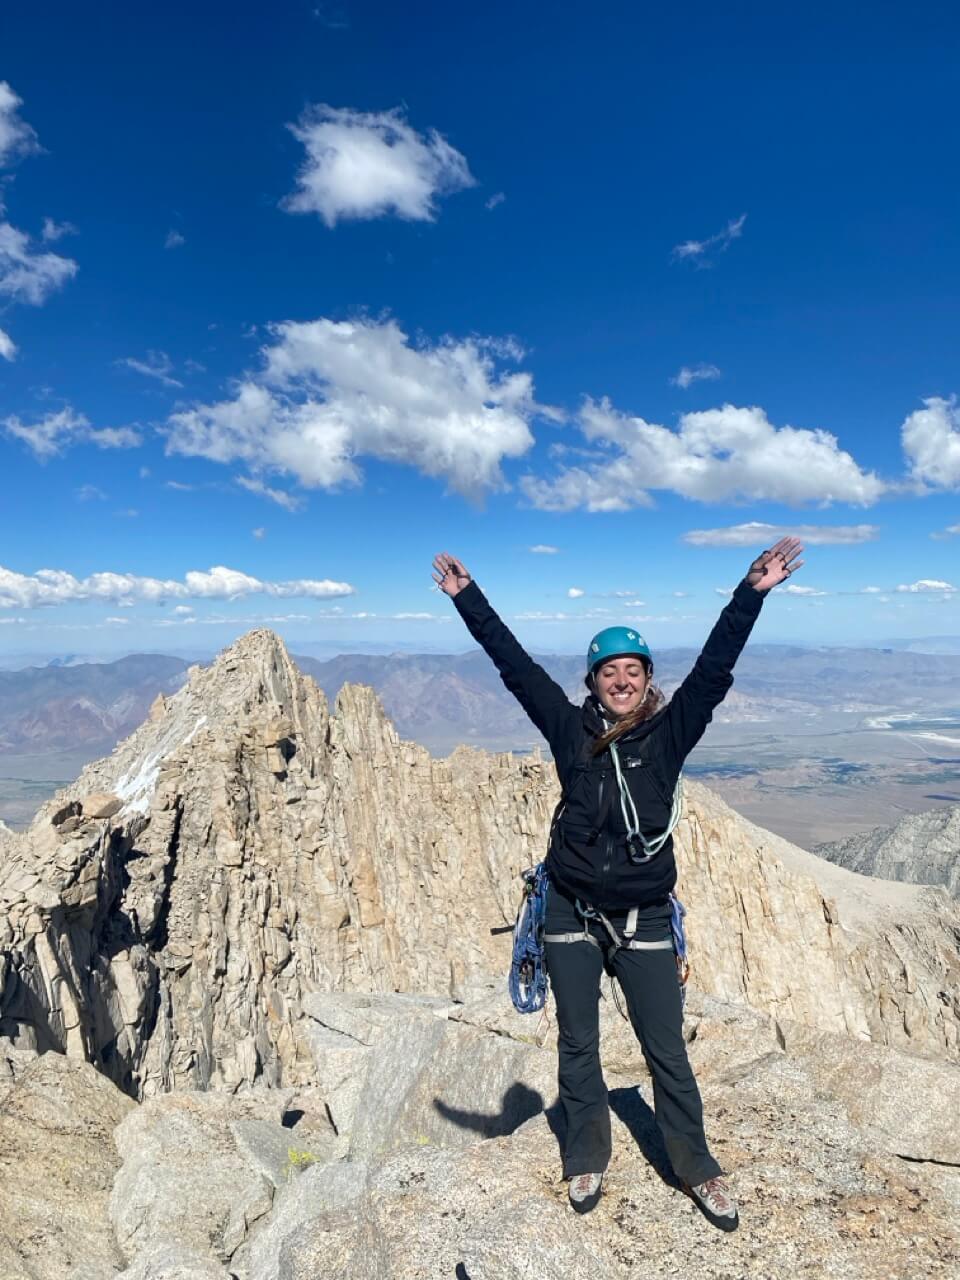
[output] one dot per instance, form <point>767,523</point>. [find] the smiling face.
<point>621,685</point>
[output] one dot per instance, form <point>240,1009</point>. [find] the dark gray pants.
<point>649,983</point>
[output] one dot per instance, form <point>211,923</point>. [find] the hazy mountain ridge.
<point>89,704</point>
<point>922,849</point>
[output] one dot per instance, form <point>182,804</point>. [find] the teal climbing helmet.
<point>616,642</point>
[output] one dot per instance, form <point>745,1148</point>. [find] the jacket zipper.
<point>607,846</point>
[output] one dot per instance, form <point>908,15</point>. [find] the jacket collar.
<point>595,723</point>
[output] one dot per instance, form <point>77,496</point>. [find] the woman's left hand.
<point>776,565</point>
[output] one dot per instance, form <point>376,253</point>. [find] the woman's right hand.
<point>449,574</point>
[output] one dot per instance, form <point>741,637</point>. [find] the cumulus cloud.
<point>288,501</point>
<point>16,136</point>
<point>931,442</point>
<point>542,549</point>
<point>755,534</point>
<point>56,587</point>
<point>699,250</point>
<point>56,432</point>
<point>28,276</point>
<point>924,585</point>
<point>698,373</point>
<point>331,393</point>
<point>57,230</point>
<point>363,164</point>
<point>174,240</point>
<point>793,589</point>
<point>157,365</point>
<point>942,535</point>
<point>25,274</point>
<point>575,592</point>
<point>726,454</point>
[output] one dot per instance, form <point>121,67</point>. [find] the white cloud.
<point>288,501</point>
<point>497,198</point>
<point>331,393</point>
<point>792,589</point>
<point>575,593</point>
<point>55,432</point>
<point>16,136</point>
<point>89,493</point>
<point>174,240</point>
<point>26,276</point>
<point>259,533</point>
<point>755,534</point>
<point>871,591</point>
<point>367,164</point>
<point>700,249</point>
<point>118,622</point>
<point>56,586</point>
<point>181,610</point>
<point>927,584</point>
<point>931,441</point>
<point>718,455</point>
<point>157,365</point>
<point>698,373</point>
<point>57,230</point>
<point>541,549</point>
<point>178,486</point>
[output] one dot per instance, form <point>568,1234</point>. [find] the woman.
<point>611,863</point>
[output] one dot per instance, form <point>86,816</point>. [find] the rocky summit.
<point>252,1023</point>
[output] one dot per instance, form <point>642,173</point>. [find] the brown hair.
<point>650,705</point>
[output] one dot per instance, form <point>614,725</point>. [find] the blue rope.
<point>528,971</point>
<point>677,913</point>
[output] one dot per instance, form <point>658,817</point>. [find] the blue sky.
<point>291,300</point>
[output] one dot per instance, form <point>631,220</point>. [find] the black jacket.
<point>588,856</point>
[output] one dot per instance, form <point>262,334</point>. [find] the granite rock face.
<point>57,1164</point>
<point>267,848</point>
<point>923,848</point>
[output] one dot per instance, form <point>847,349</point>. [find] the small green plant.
<point>297,1161</point>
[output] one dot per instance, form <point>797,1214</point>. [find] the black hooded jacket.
<point>588,856</point>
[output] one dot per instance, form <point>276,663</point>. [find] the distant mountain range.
<point>815,743</point>
<point>90,706</point>
<point>442,700</point>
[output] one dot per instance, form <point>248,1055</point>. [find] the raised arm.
<point>541,697</point>
<point>691,707</point>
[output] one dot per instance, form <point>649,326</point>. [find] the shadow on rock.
<point>631,1110</point>
<point>519,1104</point>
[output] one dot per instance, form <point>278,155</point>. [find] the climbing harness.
<point>677,942</point>
<point>528,972</point>
<point>528,980</point>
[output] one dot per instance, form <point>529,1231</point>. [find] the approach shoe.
<point>585,1191</point>
<point>715,1202</point>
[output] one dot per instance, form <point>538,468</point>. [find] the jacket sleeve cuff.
<point>749,599</point>
<point>467,598</point>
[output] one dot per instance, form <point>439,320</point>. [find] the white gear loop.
<point>631,819</point>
